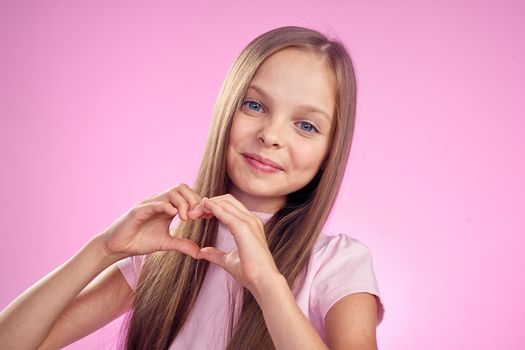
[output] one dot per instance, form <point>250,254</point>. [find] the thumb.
<point>213,255</point>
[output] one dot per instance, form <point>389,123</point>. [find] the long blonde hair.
<point>169,282</point>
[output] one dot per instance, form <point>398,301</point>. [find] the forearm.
<point>26,322</point>
<point>286,323</point>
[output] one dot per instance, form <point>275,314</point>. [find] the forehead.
<point>298,77</point>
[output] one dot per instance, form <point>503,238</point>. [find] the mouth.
<point>262,164</point>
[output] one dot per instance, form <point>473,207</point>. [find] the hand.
<point>251,262</point>
<point>144,228</point>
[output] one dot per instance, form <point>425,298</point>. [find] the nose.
<point>271,133</point>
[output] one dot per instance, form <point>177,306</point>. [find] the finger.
<point>238,221</point>
<point>233,218</point>
<point>153,208</point>
<point>231,199</point>
<point>200,212</point>
<point>180,203</point>
<point>224,211</point>
<point>190,195</point>
<point>181,196</point>
<point>183,245</point>
<point>238,208</point>
<point>213,255</point>
<point>243,211</point>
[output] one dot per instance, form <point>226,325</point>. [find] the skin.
<point>281,126</point>
<point>272,123</point>
<point>275,128</point>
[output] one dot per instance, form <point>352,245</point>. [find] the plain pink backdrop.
<point>103,103</point>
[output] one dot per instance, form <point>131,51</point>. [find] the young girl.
<point>247,265</point>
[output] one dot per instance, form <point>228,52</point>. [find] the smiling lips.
<point>262,164</point>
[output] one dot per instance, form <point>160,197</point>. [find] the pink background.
<point>103,103</point>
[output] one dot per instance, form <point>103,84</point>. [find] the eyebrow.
<point>306,108</point>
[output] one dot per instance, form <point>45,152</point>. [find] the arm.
<point>29,319</point>
<point>253,266</point>
<point>52,313</point>
<point>351,322</point>
<point>287,325</point>
<point>107,297</point>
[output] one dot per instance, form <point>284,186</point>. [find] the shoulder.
<point>340,246</point>
<point>341,255</point>
<point>343,266</point>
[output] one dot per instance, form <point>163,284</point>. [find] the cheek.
<point>238,130</point>
<point>243,132</point>
<point>307,157</point>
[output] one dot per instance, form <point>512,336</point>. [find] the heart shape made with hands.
<point>189,247</point>
<point>198,212</point>
<point>250,259</point>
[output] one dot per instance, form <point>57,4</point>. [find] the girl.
<point>246,266</point>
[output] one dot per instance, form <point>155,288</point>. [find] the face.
<point>285,119</point>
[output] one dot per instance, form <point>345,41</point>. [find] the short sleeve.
<point>345,268</point>
<point>130,268</point>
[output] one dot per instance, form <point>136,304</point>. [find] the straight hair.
<point>169,282</point>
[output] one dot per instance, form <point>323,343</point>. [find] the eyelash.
<point>313,126</point>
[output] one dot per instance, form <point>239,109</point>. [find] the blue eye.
<point>310,127</point>
<point>252,105</point>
